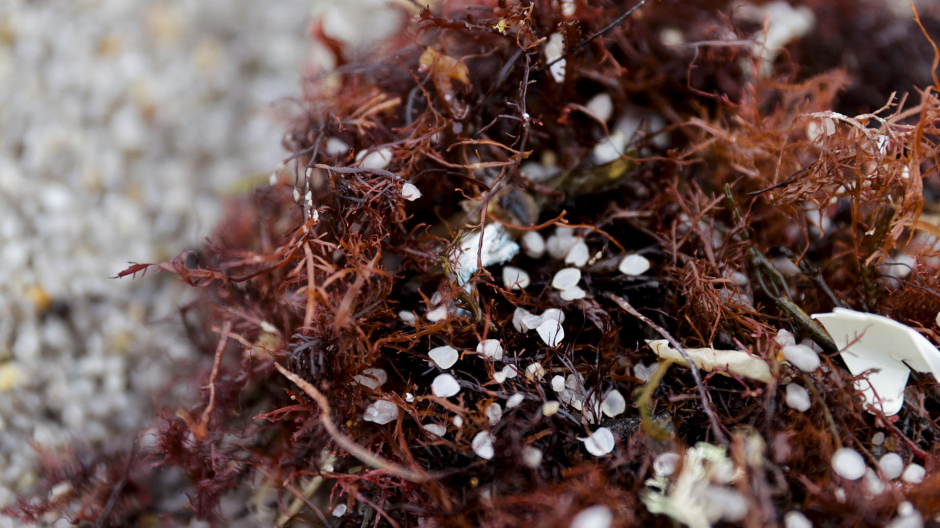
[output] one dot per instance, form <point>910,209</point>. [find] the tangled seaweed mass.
<point>472,293</point>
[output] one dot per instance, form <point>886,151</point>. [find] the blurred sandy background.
<point>123,125</point>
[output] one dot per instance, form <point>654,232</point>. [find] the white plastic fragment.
<point>785,24</point>
<point>573,398</point>
<point>515,400</point>
<point>435,429</point>
<point>494,413</point>
<point>795,519</point>
<point>848,463</point>
<point>497,248</point>
<point>490,348</point>
<point>553,314</point>
<point>559,244</point>
<point>634,265</point>
<point>549,408</point>
<point>555,48</point>
<point>381,412</point>
<point>339,510</point>
<point>572,294</point>
<point>508,372</point>
<point>409,397</point>
<point>840,495</point>
<point>614,404</point>
<point>736,361</point>
<point>410,192</point>
<point>892,464</point>
<point>515,278</point>
<point>372,378</point>
<point>566,278</point>
<point>407,317</point>
<point>551,332</point>
<point>533,245</point>
<point>445,386</point>
<point>336,147</point>
<point>483,445</point>
<point>531,456</point>
<point>523,321</point>
<point>458,420</point>
<point>802,357</point>
<point>378,159</point>
<point>598,516</point>
<point>798,398</point>
<point>558,383</point>
<point>437,314</point>
<point>444,356</point>
<point>665,464</point>
<point>878,438</point>
<point>579,254</point>
<point>600,443</point>
<point>602,106</point>
<point>914,474</point>
<point>785,338</point>
<point>871,341</point>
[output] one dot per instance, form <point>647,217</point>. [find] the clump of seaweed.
<point>443,316</point>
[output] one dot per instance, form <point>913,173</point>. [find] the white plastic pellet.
<point>483,445</point>
<point>515,400</point>
<point>802,357</point>
<point>795,519</point>
<point>578,255</point>
<point>566,278</point>
<point>381,412</point>
<point>614,404</point>
<point>533,245</point>
<point>435,429</point>
<point>892,464</point>
<point>598,516</point>
<point>490,348</point>
<point>848,463</point>
<point>549,408</point>
<point>602,106</point>
<point>531,456</point>
<point>634,265</point>
<point>600,443</point>
<point>798,398</point>
<point>494,413</point>
<point>551,332</point>
<point>515,278</point>
<point>445,386</point>
<point>665,464</point>
<point>914,474</point>
<point>444,356</point>
<point>410,192</point>
<point>375,160</point>
<point>553,313</point>
<point>573,293</point>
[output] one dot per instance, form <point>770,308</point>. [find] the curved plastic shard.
<point>707,359</point>
<point>868,342</point>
